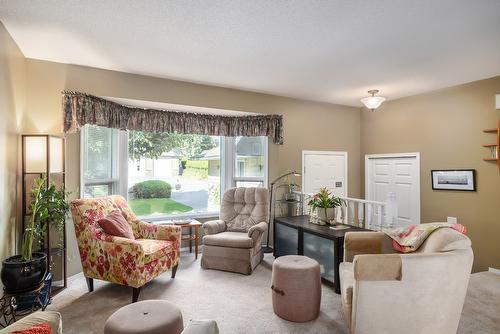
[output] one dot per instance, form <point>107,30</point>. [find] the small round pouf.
<point>146,317</point>
<point>296,286</point>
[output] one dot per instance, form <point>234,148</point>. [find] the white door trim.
<point>346,164</point>
<point>416,155</point>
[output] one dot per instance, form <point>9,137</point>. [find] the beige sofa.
<point>420,292</point>
<point>233,243</point>
<point>50,317</point>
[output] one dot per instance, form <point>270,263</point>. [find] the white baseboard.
<point>494,270</point>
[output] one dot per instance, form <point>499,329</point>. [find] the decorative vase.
<point>19,275</point>
<point>325,214</point>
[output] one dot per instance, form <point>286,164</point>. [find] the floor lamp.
<point>267,248</point>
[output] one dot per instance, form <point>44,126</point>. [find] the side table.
<point>193,225</point>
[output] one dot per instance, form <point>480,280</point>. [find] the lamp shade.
<point>35,154</point>
<point>56,148</point>
<point>373,102</point>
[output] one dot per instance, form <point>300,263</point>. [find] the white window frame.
<point>231,178</point>
<point>117,170</point>
<point>119,181</point>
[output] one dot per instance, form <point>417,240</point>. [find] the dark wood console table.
<point>297,236</point>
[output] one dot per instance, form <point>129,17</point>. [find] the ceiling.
<point>332,51</point>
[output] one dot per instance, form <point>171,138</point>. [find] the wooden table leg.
<point>196,242</point>
<point>190,241</point>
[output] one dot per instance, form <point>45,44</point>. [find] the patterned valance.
<point>80,109</point>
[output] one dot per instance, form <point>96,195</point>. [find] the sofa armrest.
<point>214,227</point>
<point>365,243</point>
<point>256,231</point>
<point>159,232</point>
<point>378,267</point>
<point>53,318</point>
<point>201,327</point>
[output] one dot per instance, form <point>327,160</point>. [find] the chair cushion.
<point>229,239</point>
<point>346,271</point>
<point>241,208</point>
<point>155,249</point>
<point>115,224</point>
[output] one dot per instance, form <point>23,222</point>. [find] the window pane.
<point>249,160</point>
<point>98,146</point>
<point>250,184</point>
<point>97,190</point>
<point>172,173</point>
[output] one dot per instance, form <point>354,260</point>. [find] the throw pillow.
<point>42,328</point>
<point>115,224</point>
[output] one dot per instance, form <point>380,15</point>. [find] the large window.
<point>164,174</point>
<point>100,163</point>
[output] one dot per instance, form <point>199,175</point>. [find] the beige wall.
<point>446,128</point>
<point>12,91</point>
<point>307,125</point>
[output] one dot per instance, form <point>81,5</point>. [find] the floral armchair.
<point>120,260</point>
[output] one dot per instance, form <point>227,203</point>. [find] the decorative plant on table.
<point>323,202</point>
<point>48,207</point>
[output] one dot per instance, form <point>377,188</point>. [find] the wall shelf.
<point>494,148</point>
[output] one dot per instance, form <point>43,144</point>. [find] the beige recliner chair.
<point>233,243</point>
<point>420,292</point>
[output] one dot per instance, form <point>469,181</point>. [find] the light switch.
<point>451,220</point>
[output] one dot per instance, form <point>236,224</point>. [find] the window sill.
<point>214,214</point>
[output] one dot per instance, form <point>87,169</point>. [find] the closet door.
<point>397,173</point>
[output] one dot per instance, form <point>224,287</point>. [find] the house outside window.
<point>171,175</point>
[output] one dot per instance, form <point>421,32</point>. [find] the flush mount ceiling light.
<point>373,102</point>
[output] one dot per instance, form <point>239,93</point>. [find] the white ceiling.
<point>332,51</point>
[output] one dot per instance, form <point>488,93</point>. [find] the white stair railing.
<point>372,215</point>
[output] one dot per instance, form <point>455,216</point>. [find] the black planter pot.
<point>19,276</point>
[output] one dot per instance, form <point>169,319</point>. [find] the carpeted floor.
<point>242,304</point>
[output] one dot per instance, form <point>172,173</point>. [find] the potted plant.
<point>324,204</point>
<point>27,271</point>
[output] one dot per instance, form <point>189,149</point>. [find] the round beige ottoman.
<point>147,317</point>
<point>296,286</point>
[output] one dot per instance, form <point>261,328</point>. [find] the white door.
<point>397,173</point>
<point>324,169</point>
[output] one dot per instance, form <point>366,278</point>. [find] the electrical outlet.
<point>451,220</point>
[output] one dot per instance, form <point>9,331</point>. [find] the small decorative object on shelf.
<point>323,205</point>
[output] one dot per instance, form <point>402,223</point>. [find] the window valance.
<point>80,109</point>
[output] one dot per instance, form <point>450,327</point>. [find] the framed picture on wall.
<point>454,179</point>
